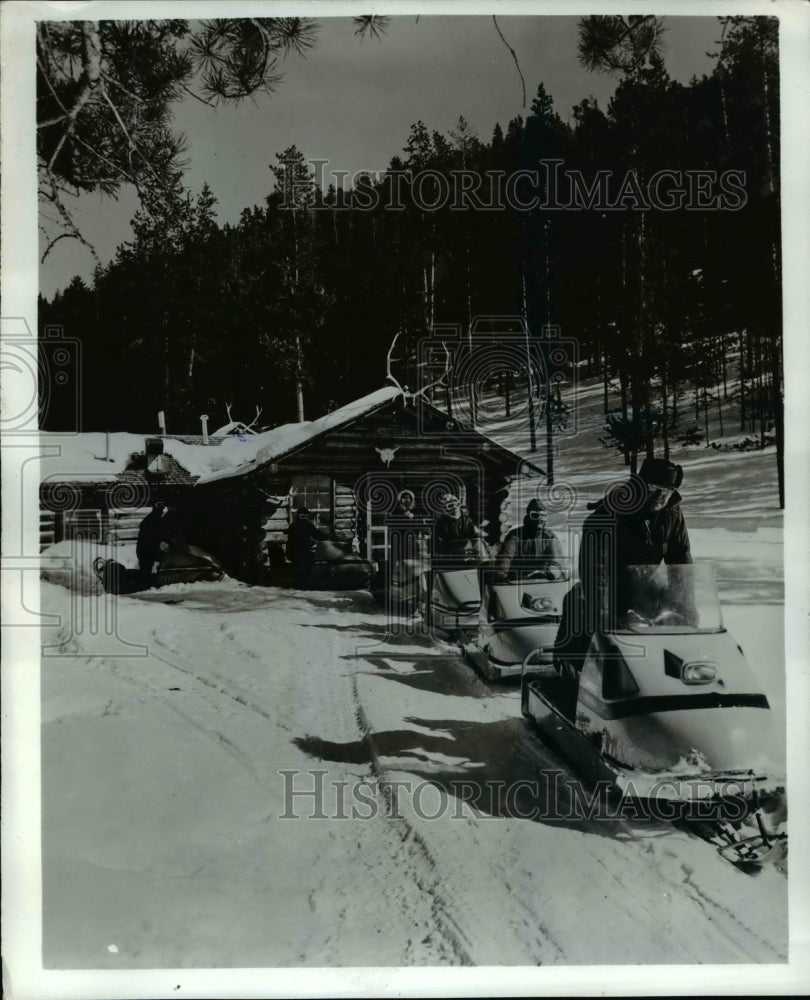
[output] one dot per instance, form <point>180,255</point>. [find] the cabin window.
<point>314,492</point>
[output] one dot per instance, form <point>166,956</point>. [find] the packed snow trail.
<point>163,797</point>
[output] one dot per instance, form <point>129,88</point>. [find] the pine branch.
<point>514,57</point>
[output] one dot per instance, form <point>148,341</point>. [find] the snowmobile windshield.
<point>666,599</point>
<point>527,569</point>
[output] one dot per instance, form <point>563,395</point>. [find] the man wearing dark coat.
<point>405,505</point>
<point>637,524</point>
<point>455,530</point>
<point>302,537</point>
<point>529,548</point>
<point>151,534</point>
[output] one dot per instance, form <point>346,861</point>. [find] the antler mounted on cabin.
<point>407,394</point>
<point>442,379</point>
<point>255,419</point>
<point>238,424</point>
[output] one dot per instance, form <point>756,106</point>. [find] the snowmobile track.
<point>450,930</point>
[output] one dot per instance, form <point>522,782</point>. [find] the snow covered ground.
<point>181,754</point>
<point>163,838</point>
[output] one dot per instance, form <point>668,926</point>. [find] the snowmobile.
<point>454,600</point>
<point>186,564</point>
<point>452,606</point>
<point>518,621</point>
<point>400,593</point>
<point>663,707</point>
<point>337,567</point>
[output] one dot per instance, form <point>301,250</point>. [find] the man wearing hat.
<point>529,548</point>
<point>636,524</point>
<point>151,535</point>
<point>455,530</point>
<point>405,505</point>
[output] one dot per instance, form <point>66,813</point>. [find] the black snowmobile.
<point>187,564</point>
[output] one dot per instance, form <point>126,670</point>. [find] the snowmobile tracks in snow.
<point>449,928</point>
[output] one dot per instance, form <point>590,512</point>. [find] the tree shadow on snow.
<point>502,771</point>
<point>446,675</point>
<point>391,633</point>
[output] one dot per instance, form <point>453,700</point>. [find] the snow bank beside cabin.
<point>69,563</point>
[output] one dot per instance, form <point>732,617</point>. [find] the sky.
<point>352,103</point>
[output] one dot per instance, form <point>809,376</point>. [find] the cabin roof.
<point>282,442</point>
<point>272,445</point>
<point>100,459</point>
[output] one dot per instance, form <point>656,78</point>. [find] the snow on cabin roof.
<point>84,457</point>
<point>271,445</point>
<point>234,427</point>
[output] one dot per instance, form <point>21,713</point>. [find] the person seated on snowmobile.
<point>530,548</point>
<point>302,537</point>
<point>639,523</point>
<point>152,541</point>
<point>456,536</point>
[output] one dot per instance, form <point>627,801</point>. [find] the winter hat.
<point>535,506</point>
<point>303,512</point>
<point>660,472</point>
<point>406,493</point>
<point>449,500</point>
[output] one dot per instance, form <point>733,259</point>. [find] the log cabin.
<point>348,467</point>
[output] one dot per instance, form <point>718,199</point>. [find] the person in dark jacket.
<point>455,540</point>
<point>529,548</point>
<point>406,501</point>
<point>455,533</point>
<point>302,537</point>
<point>637,524</point>
<point>151,536</point>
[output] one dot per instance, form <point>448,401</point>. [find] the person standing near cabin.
<point>151,536</point>
<point>645,533</point>
<point>529,548</point>
<point>302,537</point>
<point>405,511</point>
<point>405,504</point>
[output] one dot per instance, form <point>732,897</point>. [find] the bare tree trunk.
<point>529,399</point>
<point>706,413</point>
<point>605,380</point>
<point>299,390</point>
<point>741,363</point>
<point>623,381</point>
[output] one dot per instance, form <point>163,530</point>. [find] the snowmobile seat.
<point>117,579</point>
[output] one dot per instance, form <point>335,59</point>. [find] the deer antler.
<point>254,420</point>
<point>389,358</point>
<point>228,411</point>
<point>441,380</point>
